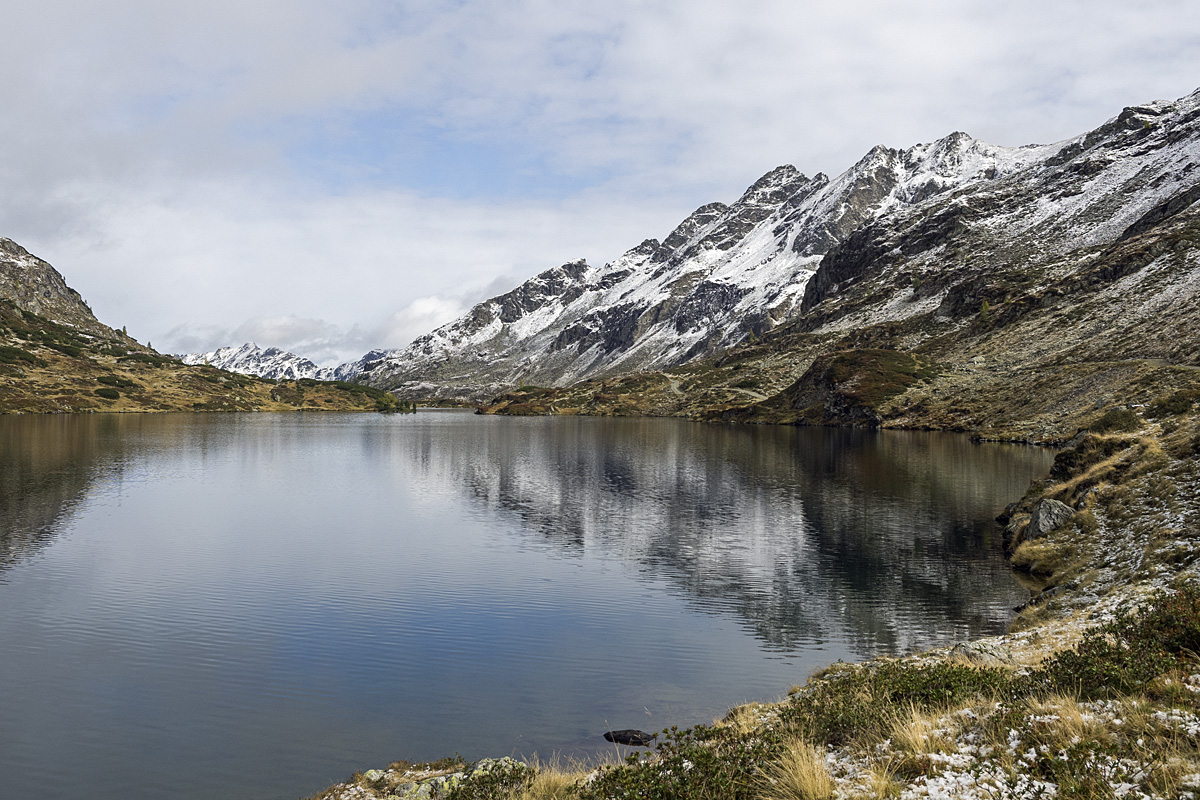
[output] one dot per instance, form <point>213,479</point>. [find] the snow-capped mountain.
<point>250,359</point>
<point>727,272</point>
<point>276,363</point>
<point>935,215</point>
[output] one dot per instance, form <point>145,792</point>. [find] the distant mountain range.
<point>790,245</point>
<point>250,359</point>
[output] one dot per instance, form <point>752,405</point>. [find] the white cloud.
<point>377,269</point>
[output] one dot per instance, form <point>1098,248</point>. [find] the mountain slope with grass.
<point>56,357</point>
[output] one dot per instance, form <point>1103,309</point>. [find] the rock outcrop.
<point>35,286</point>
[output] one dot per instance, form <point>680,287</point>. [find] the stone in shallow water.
<point>630,737</point>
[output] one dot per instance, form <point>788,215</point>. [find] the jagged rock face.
<point>1033,215</point>
<point>937,228</point>
<point>250,359</point>
<point>35,286</point>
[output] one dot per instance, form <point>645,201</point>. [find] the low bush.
<point>149,359</point>
<point>698,763</point>
<point>108,393</point>
<point>115,380</point>
<point>1117,420</point>
<point>1174,404</point>
<point>11,355</point>
<point>1129,653</point>
<point>1089,451</point>
<point>66,349</point>
<point>501,780</point>
<point>859,705</point>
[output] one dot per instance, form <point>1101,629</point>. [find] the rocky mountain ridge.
<point>250,359</point>
<point>34,286</point>
<point>940,220</point>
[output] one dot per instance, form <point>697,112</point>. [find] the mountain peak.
<point>250,359</point>
<point>789,244</point>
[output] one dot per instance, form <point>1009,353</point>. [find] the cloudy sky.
<point>331,176</point>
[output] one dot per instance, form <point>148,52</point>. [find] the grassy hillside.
<point>46,367</point>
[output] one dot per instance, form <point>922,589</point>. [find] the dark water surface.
<point>255,606</point>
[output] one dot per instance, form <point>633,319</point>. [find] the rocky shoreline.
<point>1069,703</point>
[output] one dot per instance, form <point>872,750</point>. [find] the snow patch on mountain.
<point>274,363</point>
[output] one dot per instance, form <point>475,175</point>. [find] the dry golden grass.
<point>551,783</point>
<point>1044,557</point>
<point>743,719</point>
<point>917,732</point>
<point>799,775</point>
<point>882,783</point>
<point>1063,723</point>
<point>556,779</point>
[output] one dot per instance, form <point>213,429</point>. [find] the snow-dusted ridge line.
<point>729,271</point>
<point>250,359</point>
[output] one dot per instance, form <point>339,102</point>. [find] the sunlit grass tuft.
<point>800,774</point>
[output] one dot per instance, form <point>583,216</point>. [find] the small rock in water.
<point>631,737</point>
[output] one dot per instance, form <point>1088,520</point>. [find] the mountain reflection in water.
<point>265,603</point>
<point>887,536</point>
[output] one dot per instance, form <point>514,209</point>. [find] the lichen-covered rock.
<point>412,791</point>
<point>984,653</point>
<point>1048,515</point>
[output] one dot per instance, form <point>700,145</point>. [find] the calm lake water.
<point>256,606</point>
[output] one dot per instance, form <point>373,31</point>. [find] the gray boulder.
<point>983,653</point>
<point>631,737</point>
<point>1047,516</point>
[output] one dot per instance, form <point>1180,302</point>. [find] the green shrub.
<point>148,358</point>
<point>858,705</point>
<point>11,355</point>
<point>115,380</point>
<point>1175,404</point>
<point>694,764</point>
<point>108,393</point>
<point>1089,451</point>
<point>1117,420</point>
<point>500,780</point>
<point>65,349</point>
<point>1125,655</point>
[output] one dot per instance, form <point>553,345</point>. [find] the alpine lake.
<point>259,605</point>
